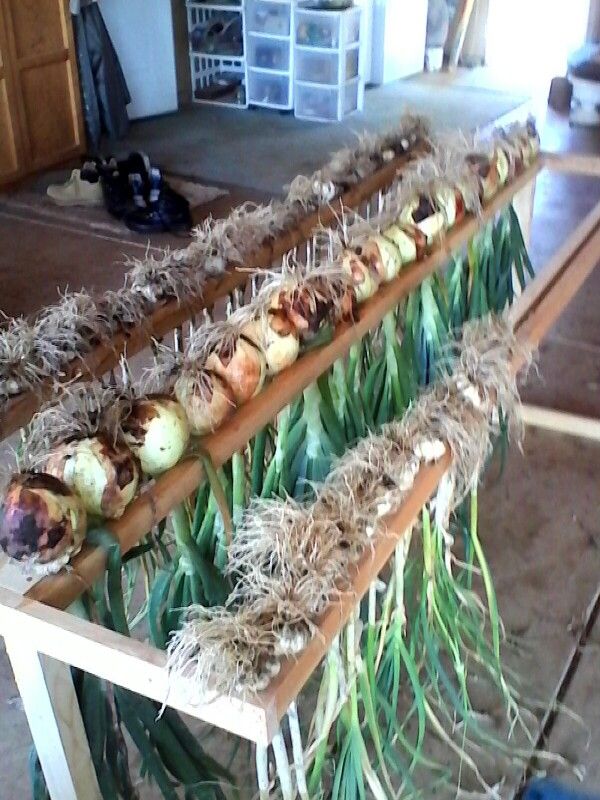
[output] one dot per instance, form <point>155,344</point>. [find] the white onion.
<point>432,226</point>
<point>42,522</point>
<point>105,476</point>
<point>383,255</point>
<point>405,243</point>
<point>276,337</point>
<point>241,364</point>
<point>157,431</point>
<point>364,278</point>
<point>206,399</point>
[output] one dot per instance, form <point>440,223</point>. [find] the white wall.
<point>399,28</point>
<point>142,33</point>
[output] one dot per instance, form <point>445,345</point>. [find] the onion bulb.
<point>156,429</point>
<point>422,212</point>
<point>241,364</point>
<point>383,256</point>
<point>533,138</point>
<point>206,399</point>
<point>42,522</point>
<point>104,475</point>
<point>502,166</point>
<point>483,167</point>
<point>364,277</point>
<point>274,333</point>
<point>307,305</point>
<point>450,202</point>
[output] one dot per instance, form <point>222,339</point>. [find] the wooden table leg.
<point>52,710</point>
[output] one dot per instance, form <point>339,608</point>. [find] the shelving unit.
<point>211,69</point>
<point>328,82</point>
<point>268,31</point>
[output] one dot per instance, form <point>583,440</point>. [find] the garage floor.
<point>540,520</point>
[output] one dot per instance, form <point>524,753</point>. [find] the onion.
<point>502,165</point>
<point>105,476</point>
<point>206,399</point>
<point>484,168</point>
<point>422,213</point>
<point>42,522</point>
<point>383,255</point>
<point>364,277</point>
<point>449,201</point>
<point>157,431</point>
<point>306,305</point>
<point>241,364</point>
<point>533,138</point>
<point>274,333</point>
<point>405,243</point>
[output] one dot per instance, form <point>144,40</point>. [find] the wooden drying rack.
<point>43,640</point>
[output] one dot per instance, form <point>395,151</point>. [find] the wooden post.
<point>457,33</point>
<point>52,710</point>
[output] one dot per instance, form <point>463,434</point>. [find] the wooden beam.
<point>172,314</point>
<point>561,422</point>
<point>573,163</point>
<point>457,33</point>
<point>173,487</point>
<point>54,719</point>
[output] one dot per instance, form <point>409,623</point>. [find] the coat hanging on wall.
<point>103,87</point>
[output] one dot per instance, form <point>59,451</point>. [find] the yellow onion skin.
<point>364,277</point>
<point>206,399</point>
<point>383,255</point>
<point>42,523</point>
<point>104,475</point>
<point>157,432</point>
<point>276,337</point>
<point>502,165</point>
<point>242,366</point>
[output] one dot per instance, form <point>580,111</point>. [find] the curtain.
<point>103,87</point>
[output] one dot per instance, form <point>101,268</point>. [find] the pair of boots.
<point>136,192</point>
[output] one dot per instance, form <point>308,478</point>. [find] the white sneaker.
<point>76,192</point>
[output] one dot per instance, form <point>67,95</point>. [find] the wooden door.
<point>42,67</point>
<point>10,136</point>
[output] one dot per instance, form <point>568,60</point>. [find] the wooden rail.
<point>172,314</point>
<point>179,482</point>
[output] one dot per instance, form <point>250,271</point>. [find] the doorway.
<point>528,41</point>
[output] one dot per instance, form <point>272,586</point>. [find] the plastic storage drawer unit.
<point>324,103</point>
<point>265,53</point>
<point>271,91</point>
<point>268,16</point>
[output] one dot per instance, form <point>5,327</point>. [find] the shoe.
<point>76,192</point>
<point>165,209</point>
<point>116,179</point>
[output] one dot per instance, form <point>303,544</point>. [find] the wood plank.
<point>173,314</point>
<point>174,486</point>
<point>551,419</point>
<point>52,710</point>
<point>573,163</point>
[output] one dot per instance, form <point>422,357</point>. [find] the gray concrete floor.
<point>540,521</point>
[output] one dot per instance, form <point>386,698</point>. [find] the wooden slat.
<point>49,699</point>
<point>172,314</point>
<point>177,484</point>
<point>573,163</point>
<point>551,419</point>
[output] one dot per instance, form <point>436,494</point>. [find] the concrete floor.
<point>540,521</point>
